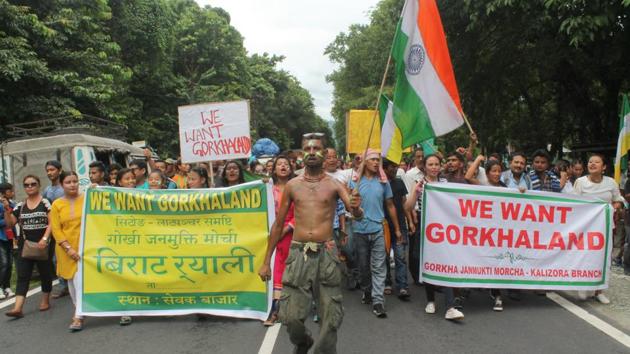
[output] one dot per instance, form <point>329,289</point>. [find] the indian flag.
<point>623,142</point>
<point>426,101</point>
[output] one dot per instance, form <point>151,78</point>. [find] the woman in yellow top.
<point>65,217</point>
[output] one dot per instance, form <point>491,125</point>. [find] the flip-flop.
<point>76,325</point>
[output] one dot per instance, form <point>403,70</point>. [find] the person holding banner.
<point>516,177</point>
<point>232,175</point>
<point>432,168</point>
<point>198,178</point>
<point>281,174</point>
<point>125,178</point>
<point>312,267</point>
<point>595,184</point>
<point>65,217</point>
<point>493,179</point>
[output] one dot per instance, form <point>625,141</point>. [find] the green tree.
<point>529,72</point>
<point>64,62</point>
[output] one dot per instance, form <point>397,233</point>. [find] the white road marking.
<point>270,339</point>
<point>31,292</point>
<point>591,319</point>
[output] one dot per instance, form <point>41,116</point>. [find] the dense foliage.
<point>530,72</point>
<point>134,62</point>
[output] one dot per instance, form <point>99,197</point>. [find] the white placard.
<point>214,131</point>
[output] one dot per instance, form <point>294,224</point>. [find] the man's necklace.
<point>314,181</point>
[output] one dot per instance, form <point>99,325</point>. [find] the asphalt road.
<point>534,324</point>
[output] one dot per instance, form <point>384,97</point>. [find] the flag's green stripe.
<point>410,113</point>
<point>625,109</point>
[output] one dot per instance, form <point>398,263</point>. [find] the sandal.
<point>271,320</point>
<point>44,308</point>
<point>15,314</point>
<point>76,325</point>
<point>125,321</point>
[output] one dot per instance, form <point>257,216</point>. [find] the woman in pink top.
<point>282,172</point>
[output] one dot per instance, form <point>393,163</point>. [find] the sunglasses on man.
<point>313,135</point>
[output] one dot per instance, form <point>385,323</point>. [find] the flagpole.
<point>378,101</point>
<point>467,122</point>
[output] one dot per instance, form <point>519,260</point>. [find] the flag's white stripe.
<point>443,112</point>
<point>387,131</point>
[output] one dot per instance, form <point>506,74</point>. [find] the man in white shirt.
<point>416,173</point>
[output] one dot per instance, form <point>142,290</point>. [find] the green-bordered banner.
<point>486,237</point>
<point>170,252</point>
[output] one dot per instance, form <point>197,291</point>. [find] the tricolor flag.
<point>623,142</point>
<point>426,101</point>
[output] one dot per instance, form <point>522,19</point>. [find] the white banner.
<point>486,237</point>
<point>214,131</point>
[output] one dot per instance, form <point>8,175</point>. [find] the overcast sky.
<point>300,30</point>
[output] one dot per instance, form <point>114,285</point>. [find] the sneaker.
<point>602,298</point>
<point>617,262</point>
<point>2,295</point>
<point>430,308</point>
<point>316,318</point>
<point>9,293</point>
<point>498,304</point>
<point>403,295</point>
<point>366,298</point>
<point>125,321</point>
<point>379,311</point>
<point>454,314</point>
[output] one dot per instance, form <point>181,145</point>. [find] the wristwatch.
<point>45,238</point>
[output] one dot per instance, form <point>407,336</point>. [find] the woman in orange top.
<point>65,216</point>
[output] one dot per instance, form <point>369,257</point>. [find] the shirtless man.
<point>312,267</point>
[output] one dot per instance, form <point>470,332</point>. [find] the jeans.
<point>371,258</point>
<point>400,259</point>
<point>414,252</point>
<point>349,250</point>
<point>449,295</point>
<point>6,263</point>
